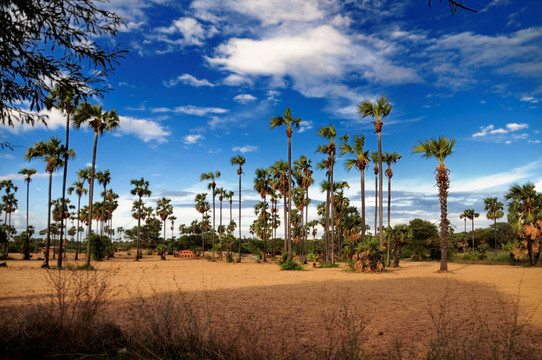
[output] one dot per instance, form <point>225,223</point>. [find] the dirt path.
<point>395,304</point>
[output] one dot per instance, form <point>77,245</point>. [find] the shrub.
<point>483,248</point>
<point>329,264</point>
<point>371,256</point>
<point>291,265</point>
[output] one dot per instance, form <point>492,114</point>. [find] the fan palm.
<point>361,162</point>
<point>304,167</point>
<point>262,185</point>
<point>377,110</point>
<point>27,177</point>
<point>164,209</point>
<point>212,186</point>
<point>290,122</point>
<point>104,178</point>
<point>79,188</point>
<point>471,215</point>
<point>141,188</point>
<point>440,149</point>
<point>52,153</point>
<point>374,157</point>
<point>239,161</point>
<point>464,217</point>
<point>494,211</point>
<point>389,159</point>
<point>63,98</point>
<point>279,182</point>
<point>100,122</point>
<point>202,206</point>
<point>329,132</point>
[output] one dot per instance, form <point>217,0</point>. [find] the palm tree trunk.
<point>327,257</point>
<point>78,217</point>
<point>220,232</point>
<point>264,232</point>
<point>27,240</point>
<point>202,237</point>
<point>285,224</point>
<point>290,255</point>
<point>495,225</point>
<point>91,193</point>
<point>64,177</point>
<point>472,221</point>
<point>213,224</point>
<point>306,233</point>
<point>362,205</point>
<point>389,226</point>
<point>380,197</point>
<point>376,203</point>
<point>443,183</point>
<point>48,239</point>
<point>332,216</point>
<point>138,255</point>
<point>239,258</point>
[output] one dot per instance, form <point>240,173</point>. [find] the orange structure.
<point>186,254</point>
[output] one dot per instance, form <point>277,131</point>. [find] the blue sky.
<point>203,78</point>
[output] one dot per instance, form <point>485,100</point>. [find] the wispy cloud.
<point>146,130</point>
<point>245,149</point>
<point>510,128</point>
<point>244,98</point>
<point>192,139</point>
<point>188,79</point>
<point>191,110</point>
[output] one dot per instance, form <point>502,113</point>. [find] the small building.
<point>186,254</point>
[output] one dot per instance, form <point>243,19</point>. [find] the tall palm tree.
<point>229,195</point>
<point>239,161</point>
<point>279,181</point>
<point>52,153</point>
<point>64,98</point>
<point>389,159</point>
<point>374,157</point>
<point>212,186</point>
<point>289,121</point>
<point>100,122</point>
<point>304,167</point>
<point>377,110</point>
<point>361,162</point>
<point>141,188</point>
<point>9,205</point>
<point>525,214</point>
<point>202,206</point>
<point>471,215</point>
<point>164,209</point>
<point>79,188</point>
<point>325,187</point>
<point>329,132</point>
<point>221,195</point>
<point>440,149</point>
<point>464,216</point>
<point>262,185</point>
<point>27,177</point>
<point>172,218</point>
<point>494,211</point>
<point>104,178</point>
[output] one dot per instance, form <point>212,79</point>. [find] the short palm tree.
<point>164,209</point>
<point>79,188</point>
<point>202,206</point>
<point>64,98</point>
<point>212,186</point>
<point>377,110</point>
<point>440,149</point>
<point>53,153</point>
<point>104,178</point>
<point>239,161</point>
<point>361,162</point>
<point>494,211</point>
<point>288,120</point>
<point>172,218</point>
<point>100,122</point>
<point>471,215</point>
<point>389,159</point>
<point>27,178</point>
<point>525,214</point>
<point>141,188</point>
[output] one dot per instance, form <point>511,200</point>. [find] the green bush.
<point>329,264</point>
<point>100,247</point>
<point>291,265</point>
<point>483,248</point>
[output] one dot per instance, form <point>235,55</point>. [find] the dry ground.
<point>395,304</point>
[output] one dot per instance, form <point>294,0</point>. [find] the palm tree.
<point>378,110</point>
<point>100,122</point>
<point>525,213</point>
<point>202,206</point>
<point>172,218</point>
<point>303,166</point>
<point>141,188</point>
<point>361,161</point>
<point>279,181</point>
<point>80,190</point>
<point>9,205</point>
<point>221,195</point>
<point>27,177</point>
<point>471,215</point>
<point>229,195</point>
<point>262,185</point>
<point>464,216</point>
<point>389,159</point>
<point>104,178</point>
<point>239,161</point>
<point>64,98</point>
<point>331,148</point>
<point>212,186</point>
<point>289,121</point>
<point>52,153</point>
<point>164,209</point>
<point>374,157</point>
<point>440,149</point>
<point>494,211</point>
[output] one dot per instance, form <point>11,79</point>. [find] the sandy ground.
<point>396,304</point>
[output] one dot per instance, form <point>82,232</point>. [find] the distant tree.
<point>79,188</point>
<point>389,159</point>
<point>471,215</point>
<point>212,186</point>
<point>48,43</point>
<point>494,211</point>
<point>422,233</point>
<point>28,173</point>
<point>164,209</point>
<point>440,149</point>
<point>141,188</point>
<point>239,161</point>
<point>202,206</point>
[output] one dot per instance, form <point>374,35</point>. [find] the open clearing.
<point>396,305</point>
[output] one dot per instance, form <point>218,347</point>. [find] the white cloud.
<point>188,79</point>
<point>483,131</point>
<point>529,99</point>
<point>146,130</point>
<point>510,127</point>
<point>516,127</point>
<point>244,98</point>
<point>245,149</point>
<point>192,110</point>
<point>305,125</point>
<point>192,139</point>
<point>192,31</point>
